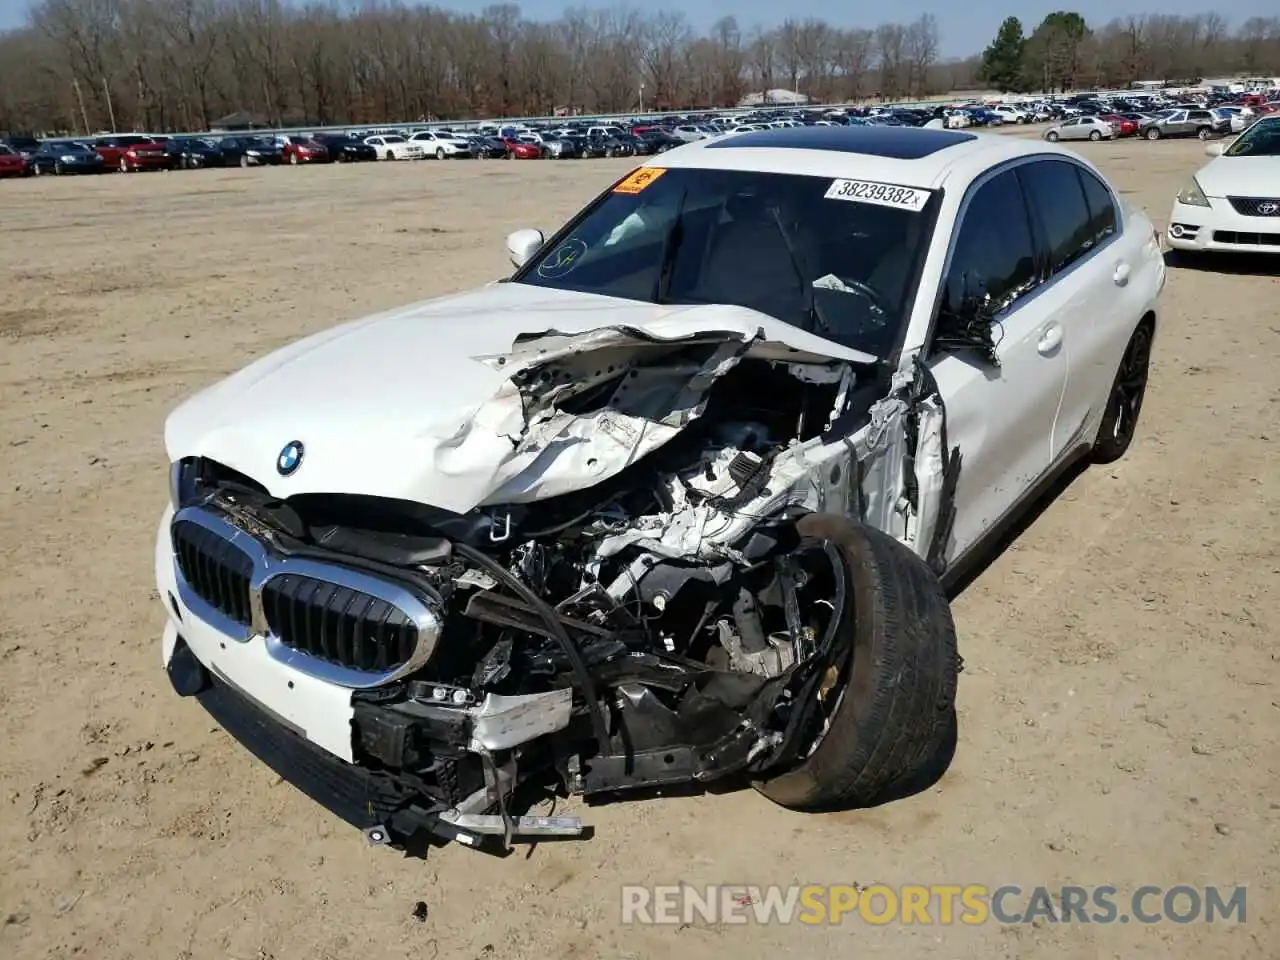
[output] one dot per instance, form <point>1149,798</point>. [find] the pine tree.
<point>1002,66</point>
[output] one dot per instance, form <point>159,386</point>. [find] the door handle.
<point>1121,276</point>
<point>1050,339</point>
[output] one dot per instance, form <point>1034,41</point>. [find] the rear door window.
<point>1102,206</point>
<point>1058,202</point>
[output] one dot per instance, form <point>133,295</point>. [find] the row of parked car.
<point>1179,121</point>
<point>129,153</point>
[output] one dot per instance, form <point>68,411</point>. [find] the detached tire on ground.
<point>899,667</point>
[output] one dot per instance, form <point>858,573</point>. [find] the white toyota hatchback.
<point>1232,204</point>
<point>676,501</point>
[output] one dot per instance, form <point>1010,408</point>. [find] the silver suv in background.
<point>1184,123</point>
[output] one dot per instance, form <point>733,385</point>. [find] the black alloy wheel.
<point>1120,421</point>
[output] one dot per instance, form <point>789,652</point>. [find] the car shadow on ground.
<point>1242,264</point>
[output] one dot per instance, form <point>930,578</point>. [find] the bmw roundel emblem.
<point>290,458</point>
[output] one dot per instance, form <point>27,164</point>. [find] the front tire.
<point>1120,421</point>
<point>1153,133</point>
<point>1203,133</point>
<point>1095,136</point>
<point>1051,136</point>
<point>439,153</point>
<point>894,715</point>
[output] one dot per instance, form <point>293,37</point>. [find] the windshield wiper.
<point>817,319</point>
<point>670,247</point>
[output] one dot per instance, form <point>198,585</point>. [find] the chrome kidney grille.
<point>219,572</point>
<point>338,624</point>
<point>323,619</point>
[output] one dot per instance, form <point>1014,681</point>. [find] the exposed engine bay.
<point>662,621</point>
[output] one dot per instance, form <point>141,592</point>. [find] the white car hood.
<point>1240,177</point>
<point>421,403</point>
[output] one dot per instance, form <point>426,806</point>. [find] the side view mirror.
<point>1216,149</point>
<point>523,244</point>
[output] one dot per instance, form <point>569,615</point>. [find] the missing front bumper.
<point>389,809</point>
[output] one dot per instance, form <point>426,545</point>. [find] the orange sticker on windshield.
<point>637,180</point>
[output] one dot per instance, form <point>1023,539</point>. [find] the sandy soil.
<point>1118,711</point>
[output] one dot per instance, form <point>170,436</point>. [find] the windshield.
<point>393,140</point>
<point>1260,140</point>
<point>835,258</point>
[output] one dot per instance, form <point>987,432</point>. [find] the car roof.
<point>909,155</point>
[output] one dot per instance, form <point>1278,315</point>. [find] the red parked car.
<point>132,152</point>
<point>296,150</point>
<point>12,163</point>
<point>523,151</point>
<point>1123,126</point>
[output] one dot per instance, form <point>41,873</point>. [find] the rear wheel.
<point>886,705</point>
<point>1153,133</point>
<point>1052,136</point>
<point>1095,135</point>
<point>1120,421</point>
<point>1203,133</point>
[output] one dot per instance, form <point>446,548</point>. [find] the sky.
<point>965,28</point>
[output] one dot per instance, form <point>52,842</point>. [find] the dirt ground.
<point>1117,712</point>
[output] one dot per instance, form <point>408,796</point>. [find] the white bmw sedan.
<point>674,502</point>
<point>1232,204</point>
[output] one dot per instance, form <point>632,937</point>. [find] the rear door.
<point>1085,272</point>
<point>1000,409</point>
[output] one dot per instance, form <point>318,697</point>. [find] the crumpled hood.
<point>1240,177</point>
<point>420,403</point>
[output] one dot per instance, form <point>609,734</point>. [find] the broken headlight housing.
<point>184,476</point>
<point>1192,195</point>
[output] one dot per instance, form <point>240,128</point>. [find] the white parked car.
<point>392,146</point>
<point>1012,114</point>
<point>689,132</point>
<point>440,145</point>
<point>639,515</point>
<point>1232,204</point>
<point>1237,117</point>
<point>1080,128</point>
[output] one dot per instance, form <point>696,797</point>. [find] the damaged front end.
<point>615,595</point>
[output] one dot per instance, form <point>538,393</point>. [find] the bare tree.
<point>921,43</point>
<point>890,47</point>
<point>182,64</point>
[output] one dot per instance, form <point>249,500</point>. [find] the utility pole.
<point>642,98</point>
<point>84,117</point>
<point>111,111</point>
